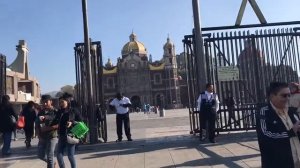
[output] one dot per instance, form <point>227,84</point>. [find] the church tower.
<point>169,54</point>
<point>169,58</point>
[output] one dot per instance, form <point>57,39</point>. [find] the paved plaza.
<point>159,142</point>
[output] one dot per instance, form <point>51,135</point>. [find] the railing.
<point>2,75</point>
<point>241,64</point>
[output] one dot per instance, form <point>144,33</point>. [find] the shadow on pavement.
<point>155,144</point>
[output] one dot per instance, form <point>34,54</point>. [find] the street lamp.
<point>87,55</point>
<point>199,53</point>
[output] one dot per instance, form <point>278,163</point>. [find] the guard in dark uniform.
<point>208,103</point>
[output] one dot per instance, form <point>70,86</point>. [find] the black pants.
<point>231,115</point>
<point>208,119</point>
<point>123,118</point>
<point>28,133</point>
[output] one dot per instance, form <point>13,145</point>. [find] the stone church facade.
<point>143,81</point>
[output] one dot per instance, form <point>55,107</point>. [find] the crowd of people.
<point>50,125</point>
<point>278,124</point>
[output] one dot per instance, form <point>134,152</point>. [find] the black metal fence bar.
<point>259,58</point>
<point>2,75</point>
<point>96,82</point>
<point>256,57</point>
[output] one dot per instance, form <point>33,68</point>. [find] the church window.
<point>110,82</point>
<point>170,59</point>
<point>132,65</point>
<point>157,79</point>
<point>170,51</point>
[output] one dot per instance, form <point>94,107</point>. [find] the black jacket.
<point>50,120</point>
<point>65,115</point>
<point>6,110</point>
<point>274,138</point>
<point>30,117</point>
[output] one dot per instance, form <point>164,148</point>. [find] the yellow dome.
<point>133,46</point>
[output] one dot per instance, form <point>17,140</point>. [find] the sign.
<point>228,73</point>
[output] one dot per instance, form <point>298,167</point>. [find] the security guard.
<point>208,103</point>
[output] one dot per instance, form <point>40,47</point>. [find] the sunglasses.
<point>286,95</point>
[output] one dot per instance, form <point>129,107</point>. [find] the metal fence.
<point>94,112</point>
<point>2,75</point>
<point>241,64</point>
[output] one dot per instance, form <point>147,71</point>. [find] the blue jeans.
<point>6,142</point>
<point>62,144</point>
<point>46,148</point>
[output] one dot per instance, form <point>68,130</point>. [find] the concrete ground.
<point>159,142</point>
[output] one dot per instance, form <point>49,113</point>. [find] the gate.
<point>96,81</point>
<point>241,64</point>
<point>2,75</point>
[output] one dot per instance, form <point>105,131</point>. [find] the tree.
<point>67,89</point>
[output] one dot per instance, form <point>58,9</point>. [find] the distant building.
<point>142,80</point>
<point>20,86</point>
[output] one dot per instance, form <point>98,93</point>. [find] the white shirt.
<point>117,103</point>
<point>209,96</point>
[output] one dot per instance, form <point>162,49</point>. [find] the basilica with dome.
<point>142,80</point>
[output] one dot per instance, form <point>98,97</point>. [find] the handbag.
<point>71,139</point>
<point>21,122</point>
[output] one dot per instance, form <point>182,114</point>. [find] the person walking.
<point>68,117</point>
<point>278,130</point>
<point>121,105</point>
<point>29,113</point>
<point>208,103</point>
<point>8,118</point>
<point>230,103</point>
<point>46,129</point>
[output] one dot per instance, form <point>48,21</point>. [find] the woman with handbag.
<point>8,118</point>
<point>68,118</point>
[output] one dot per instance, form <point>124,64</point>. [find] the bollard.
<point>162,112</point>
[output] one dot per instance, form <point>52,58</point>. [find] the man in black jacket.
<point>277,130</point>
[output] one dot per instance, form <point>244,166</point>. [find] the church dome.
<point>133,46</point>
<point>168,44</point>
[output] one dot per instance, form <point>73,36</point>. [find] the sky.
<point>52,27</point>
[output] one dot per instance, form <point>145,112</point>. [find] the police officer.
<point>208,103</point>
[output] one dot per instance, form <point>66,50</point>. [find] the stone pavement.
<point>158,143</point>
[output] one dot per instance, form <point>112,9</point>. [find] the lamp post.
<point>90,100</point>
<point>199,53</point>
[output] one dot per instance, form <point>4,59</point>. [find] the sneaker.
<point>119,140</point>
<point>129,139</point>
<point>27,144</point>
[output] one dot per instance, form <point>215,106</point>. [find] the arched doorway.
<point>136,102</point>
